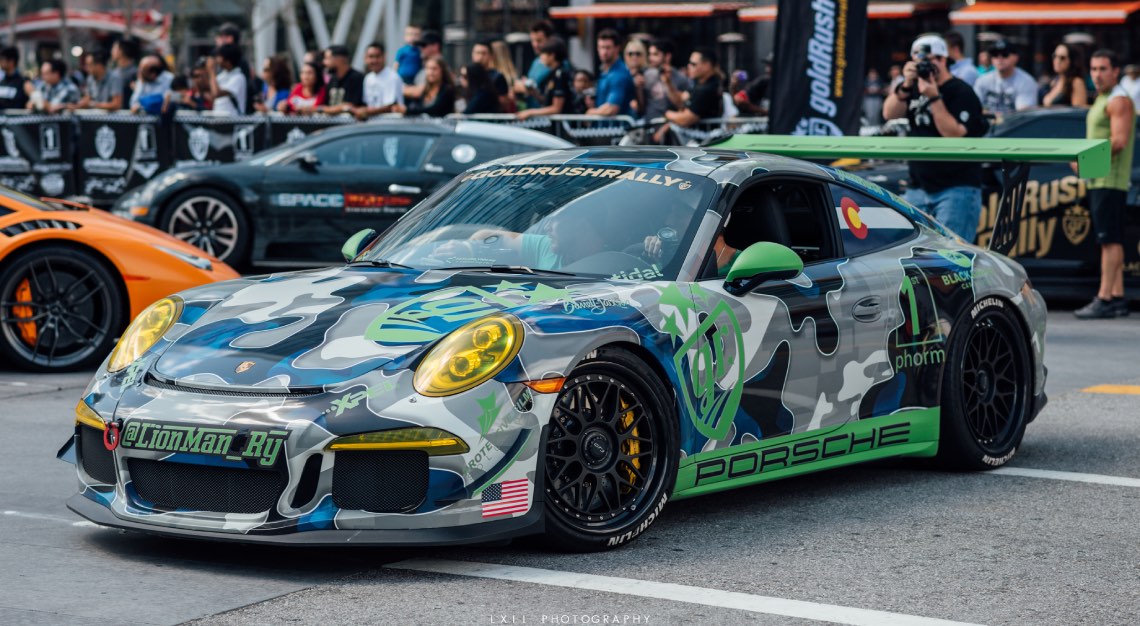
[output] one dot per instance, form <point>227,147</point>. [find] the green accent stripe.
<point>492,480</point>
<point>1093,156</point>
<point>911,432</point>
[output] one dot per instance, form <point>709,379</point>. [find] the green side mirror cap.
<point>761,262</point>
<point>356,244</point>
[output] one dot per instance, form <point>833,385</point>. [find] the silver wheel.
<point>207,222</point>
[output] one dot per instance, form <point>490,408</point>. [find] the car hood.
<point>322,327</point>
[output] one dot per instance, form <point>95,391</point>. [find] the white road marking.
<point>1100,479</point>
<point>51,518</point>
<point>671,591</point>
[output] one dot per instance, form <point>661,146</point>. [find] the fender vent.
<point>30,225</point>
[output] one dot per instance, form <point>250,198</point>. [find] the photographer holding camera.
<point>939,105</point>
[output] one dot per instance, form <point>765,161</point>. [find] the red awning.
<point>148,25</point>
<point>1076,13</point>
<point>875,11</point>
<point>630,9</point>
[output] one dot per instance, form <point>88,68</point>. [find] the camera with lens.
<point>925,68</point>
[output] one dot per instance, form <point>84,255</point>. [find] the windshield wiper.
<point>381,263</point>
<point>506,269</point>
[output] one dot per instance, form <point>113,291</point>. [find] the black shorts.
<point>1107,208</point>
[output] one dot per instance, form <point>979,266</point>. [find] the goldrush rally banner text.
<point>817,81</point>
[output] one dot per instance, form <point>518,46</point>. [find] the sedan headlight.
<point>470,355</point>
<point>145,331</point>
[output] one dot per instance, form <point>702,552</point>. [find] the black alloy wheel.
<point>610,453</point>
<point>987,389</point>
<point>211,221</point>
<point>60,309</point>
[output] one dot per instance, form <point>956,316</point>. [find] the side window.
<point>792,214</point>
<point>402,151</point>
<point>867,224</point>
<point>455,154</point>
<point>344,151</point>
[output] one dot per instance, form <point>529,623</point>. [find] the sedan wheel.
<point>211,222</point>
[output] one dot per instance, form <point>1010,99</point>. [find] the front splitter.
<point>488,532</point>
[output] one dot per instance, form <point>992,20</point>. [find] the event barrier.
<point>98,155</point>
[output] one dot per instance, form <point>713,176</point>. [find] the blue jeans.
<point>957,208</point>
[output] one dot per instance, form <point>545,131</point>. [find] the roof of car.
<point>483,130</point>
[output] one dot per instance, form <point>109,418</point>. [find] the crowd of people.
<point>643,79</point>
<point>937,101</point>
<point>1002,85</point>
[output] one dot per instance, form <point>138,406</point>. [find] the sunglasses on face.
<point>633,53</point>
<point>1060,57</point>
<point>1000,55</point>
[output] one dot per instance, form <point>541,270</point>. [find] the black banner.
<point>36,153</point>
<point>293,128</point>
<point>118,152</point>
<point>211,140</point>
<point>817,78</point>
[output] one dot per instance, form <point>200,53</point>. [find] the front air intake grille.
<point>380,482</point>
<point>172,486</point>
<point>30,225</point>
<point>97,460</point>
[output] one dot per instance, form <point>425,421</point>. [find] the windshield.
<point>590,220</point>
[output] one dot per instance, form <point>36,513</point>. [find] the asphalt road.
<point>884,544</point>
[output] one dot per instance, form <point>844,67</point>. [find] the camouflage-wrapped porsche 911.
<point>562,342</point>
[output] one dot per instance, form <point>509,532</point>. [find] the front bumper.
<point>529,524</point>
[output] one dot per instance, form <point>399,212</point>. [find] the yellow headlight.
<point>145,331</point>
<point>470,355</point>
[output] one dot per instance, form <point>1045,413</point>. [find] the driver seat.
<point>763,221</point>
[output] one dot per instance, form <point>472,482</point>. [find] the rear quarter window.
<point>867,224</point>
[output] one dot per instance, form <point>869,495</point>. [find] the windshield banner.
<point>818,69</point>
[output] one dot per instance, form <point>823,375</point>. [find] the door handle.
<point>867,310</point>
<point>394,188</point>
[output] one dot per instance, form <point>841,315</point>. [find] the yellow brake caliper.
<point>27,329</point>
<point>631,447</point>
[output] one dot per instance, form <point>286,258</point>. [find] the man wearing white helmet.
<point>939,105</point>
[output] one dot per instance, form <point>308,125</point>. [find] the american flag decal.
<point>510,496</point>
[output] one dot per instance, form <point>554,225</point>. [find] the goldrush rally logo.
<point>827,66</point>
<point>235,444</point>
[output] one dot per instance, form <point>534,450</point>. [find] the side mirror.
<point>357,243</point>
<point>308,161</point>
<point>761,262</point>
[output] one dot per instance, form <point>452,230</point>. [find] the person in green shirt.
<point>1113,117</point>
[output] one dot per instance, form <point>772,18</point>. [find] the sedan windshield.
<point>589,220</point>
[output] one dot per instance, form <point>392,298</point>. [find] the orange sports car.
<point>72,277</point>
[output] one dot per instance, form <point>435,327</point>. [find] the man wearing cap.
<point>939,105</point>
<point>1009,88</point>
<point>1112,116</point>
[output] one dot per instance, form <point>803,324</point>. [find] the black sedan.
<point>296,204</point>
<point>1055,243</point>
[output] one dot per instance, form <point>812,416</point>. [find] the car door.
<point>324,194</point>
<point>803,359</point>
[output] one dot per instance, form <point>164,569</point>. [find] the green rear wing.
<point>1092,156</point>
